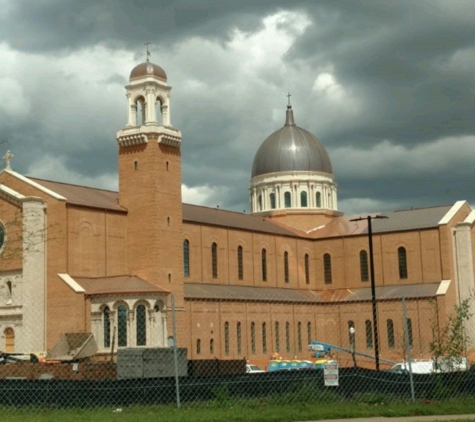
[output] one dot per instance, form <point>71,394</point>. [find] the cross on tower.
<point>146,44</point>
<point>288,97</point>
<point>7,157</point>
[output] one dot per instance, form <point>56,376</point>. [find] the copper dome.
<point>148,69</point>
<point>291,148</point>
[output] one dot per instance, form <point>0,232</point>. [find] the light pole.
<point>373,284</point>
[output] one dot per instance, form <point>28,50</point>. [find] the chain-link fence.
<point>209,352</point>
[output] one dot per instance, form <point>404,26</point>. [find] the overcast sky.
<point>387,86</point>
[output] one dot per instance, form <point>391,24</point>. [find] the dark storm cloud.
<point>403,72</point>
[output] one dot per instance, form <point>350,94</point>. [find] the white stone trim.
<point>450,214</point>
<point>35,185</point>
<point>443,287</point>
<point>73,284</point>
<point>11,195</point>
<point>470,219</point>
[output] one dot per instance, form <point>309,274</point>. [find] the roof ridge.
<point>71,184</point>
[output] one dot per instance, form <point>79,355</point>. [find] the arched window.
<point>307,269</point>
<point>409,332</point>
<point>240,264</point>
<point>286,266</point>
<point>2,235</point>
<point>264,338</point>
<point>226,338</point>
<point>287,199</point>
<point>303,199</point>
<point>211,347</point>
<point>309,332</point>
<point>327,268</point>
<point>9,291</point>
<point>141,325</point>
<point>299,336</point>
<point>238,338</point>
<point>272,200</point>
<point>351,334</point>
<point>402,259</point>
<point>287,337</point>
<point>319,199</point>
<point>259,203</point>
<point>9,340</point>
<point>140,111</point>
<point>106,327</point>
<point>214,259</point>
<point>364,265</point>
<point>369,334</point>
<point>186,257</point>
<point>277,337</point>
<point>264,265</point>
<point>122,326</point>
<point>390,329</point>
<point>198,347</point>
<point>253,338</point>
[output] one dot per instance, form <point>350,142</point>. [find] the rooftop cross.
<point>288,96</point>
<point>7,157</point>
<point>148,52</point>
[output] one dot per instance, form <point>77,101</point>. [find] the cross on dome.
<point>146,44</point>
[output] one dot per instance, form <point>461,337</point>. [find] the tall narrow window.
<point>390,329</point>
<point>319,200</point>
<point>122,326</point>
<point>198,347</point>
<point>238,338</point>
<point>141,325</point>
<point>409,332</point>
<point>307,269</point>
<point>277,337</point>
<point>9,291</point>
<point>402,260</point>
<point>259,203</point>
<point>107,327</point>
<point>286,266</point>
<point>211,346</point>
<point>364,273</point>
<point>351,334</point>
<point>186,257</point>
<point>240,264</point>
<point>303,199</point>
<point>287,337</point>
<point>327,268</point>
<point>214,259</point>
<point>309,332</point>
<point>287,200</point>
<point>264,338</point>
<point>264,265</point>
<point>226,338</point>
<point>299,336</point>
<point>253,338</point>
<point>272,200</point>
<point>369,334</point>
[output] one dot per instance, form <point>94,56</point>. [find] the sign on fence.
<point>330,374</point>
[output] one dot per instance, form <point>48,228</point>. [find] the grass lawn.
<point>232,412</point>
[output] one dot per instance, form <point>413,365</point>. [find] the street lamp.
<point>373,284</point>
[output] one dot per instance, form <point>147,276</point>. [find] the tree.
<point>449,342</point>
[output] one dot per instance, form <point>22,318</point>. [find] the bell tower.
<point>150,184</point>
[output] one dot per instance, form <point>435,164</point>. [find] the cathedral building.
<point>77,259</point>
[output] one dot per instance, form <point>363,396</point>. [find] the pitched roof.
<point>83,195</point>
<point>411,219</point>
<point>418,218</point>
<point>117,285</point>
<point>204,291</point>
<point>237,220</point>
